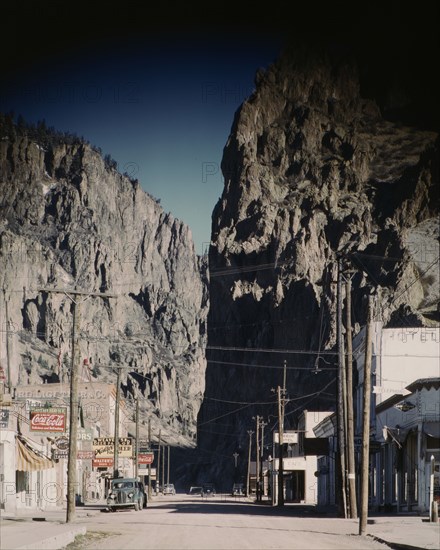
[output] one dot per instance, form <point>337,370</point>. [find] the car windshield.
<point>123,485</point>
<point>195,490</point>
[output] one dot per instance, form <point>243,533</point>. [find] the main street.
<point>221,522</point>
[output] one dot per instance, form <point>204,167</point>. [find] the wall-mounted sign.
<point>104,447</point>
<point>289,437</point>
<point>48,420</point>
<point>85,455</point>
<point>145,458</point>
<point>102,462</point>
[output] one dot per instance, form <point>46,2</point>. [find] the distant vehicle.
<point>208,489</point>
<point>238,489</point>
<point>125,492</point>
<point>168,489</point>
<point>195,491</point>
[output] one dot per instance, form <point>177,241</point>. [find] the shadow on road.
<point>231,506</point>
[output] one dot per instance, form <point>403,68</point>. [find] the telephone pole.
<point>350,416</point>
<point>341,413</point>
<point>262,424</point>
<point>137,440</point>
<point>149,465</point>
<point>366,421</point>
<point>281,407</point>
<point>116,438</point>
<point>168,466</point>
<point>257,457</point>
<point>8,352</point>
<point>248,481</point>
<point>158,466</point>
<point>74,403</point>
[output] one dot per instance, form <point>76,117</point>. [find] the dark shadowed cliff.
<point>315,169</point>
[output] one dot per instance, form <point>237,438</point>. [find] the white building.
<point>404,361</point>
<point>300,464</point>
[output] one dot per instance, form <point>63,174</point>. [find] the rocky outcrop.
<point>313,173</point>
<point>70,220</point>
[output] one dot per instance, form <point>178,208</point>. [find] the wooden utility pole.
<point>350,418</point>
<point>74,403</point>
<point>341,415</point>
<point>137,440</point>
<point>262,424</point>
<point>168,465</point>
<point>281,407</point>
<point>149,465</point>
<point>366,421</point>
<point>248,481</point>
<point>163,467</point>
<point>8,352</point>
<point>158,465</point>
<point>257,457</point>
<point>116,438</point>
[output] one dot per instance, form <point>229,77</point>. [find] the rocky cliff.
<point>69,220</point>
<point>313,172</point>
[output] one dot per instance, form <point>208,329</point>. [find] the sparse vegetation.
<point>83,541</point>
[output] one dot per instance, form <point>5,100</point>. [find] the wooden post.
<point>149,465</point>
<point>248,481</point>
<point>158,465</point>
<point>366,422</point>
<point>257,457</point>
<point>281,406</point>
<point>116,438</point>
<point>74,408</point>
<point>137,440</point>
<point>341,397</point>
<point>350,418</point>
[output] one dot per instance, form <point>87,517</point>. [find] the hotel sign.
<point>48,420</point>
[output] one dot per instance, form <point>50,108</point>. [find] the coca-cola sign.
<point>48,420</point>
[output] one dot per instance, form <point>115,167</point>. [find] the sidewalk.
<point>36,529</point>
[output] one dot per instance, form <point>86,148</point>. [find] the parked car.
<point>195,491</point>
<point>125,493</point>
<point>208,489</point>
<point>168,489</point>
<point>238,489</point>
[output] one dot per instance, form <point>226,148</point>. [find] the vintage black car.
<point>125,493</point>
<point>208,489</point>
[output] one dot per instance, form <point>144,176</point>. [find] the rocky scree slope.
<point>69,220</point>
<point>312,172</point>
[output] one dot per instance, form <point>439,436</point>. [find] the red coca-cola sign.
<point>48,420</point>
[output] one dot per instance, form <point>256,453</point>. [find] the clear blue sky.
<point>162,107</point>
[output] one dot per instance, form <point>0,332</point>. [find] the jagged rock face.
<point>68,220</point>
<point>311,171</point>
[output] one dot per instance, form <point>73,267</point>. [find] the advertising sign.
<point>289,437</point>
<point>102,462</point>
<point>85,455</point>
<point>145,458</point>
<point>104,447</point>
<point>48,419</point>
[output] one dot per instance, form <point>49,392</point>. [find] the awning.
<point>30,460</point>
<point>432,429</point>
